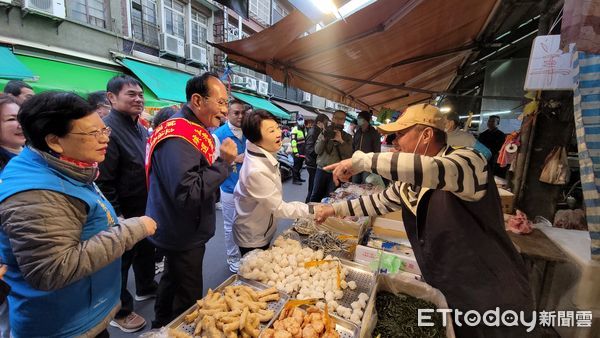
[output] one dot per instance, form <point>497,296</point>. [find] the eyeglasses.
<point>221,102</point>
<point>97,133</point>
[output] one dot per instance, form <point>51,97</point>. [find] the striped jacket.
<point>461,171</point>
<point>453,219</point>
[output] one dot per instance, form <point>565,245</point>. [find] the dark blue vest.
<point>81,305</point>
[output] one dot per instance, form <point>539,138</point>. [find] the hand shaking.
<point>323,211</point>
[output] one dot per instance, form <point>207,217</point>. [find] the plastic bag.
<point>404,284</point>
<point>556,167</point>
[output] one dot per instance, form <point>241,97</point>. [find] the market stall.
<point>308,284</point>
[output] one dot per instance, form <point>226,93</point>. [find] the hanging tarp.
<point>580,22</point>
<point>390,54</point>
<point>587,126</point>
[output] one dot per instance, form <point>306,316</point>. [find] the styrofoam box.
<point>365,255</point>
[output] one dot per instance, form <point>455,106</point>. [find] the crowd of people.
<point>87,192</point>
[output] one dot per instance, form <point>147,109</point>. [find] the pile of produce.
<point>305,226</point>
<point>327,242</point>
<point>352,191</point>
<point>283,266</point>
<point>237,312</point>
<point>295,322</point>
<point>319,237</point>
<point>304,273</point>
<point>397,316</point>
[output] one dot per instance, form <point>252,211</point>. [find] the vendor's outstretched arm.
<point>371,205</point>
<point>263,190</point>
<point>463,172</point>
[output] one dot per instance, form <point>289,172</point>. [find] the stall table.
<point>536,247</point>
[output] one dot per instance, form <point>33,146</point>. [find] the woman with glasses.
<point>11,144</point>
<point>60,237</point>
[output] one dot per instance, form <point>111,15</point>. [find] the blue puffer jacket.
<point>76,308</point>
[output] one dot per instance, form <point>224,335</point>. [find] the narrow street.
<point>215,268</point>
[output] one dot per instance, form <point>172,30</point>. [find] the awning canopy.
<point>306,114</point>
<point>390,54</point>
<point>167,84</point>
<point>11,68</point>
<point>260,103</point>
<point>82,80</point>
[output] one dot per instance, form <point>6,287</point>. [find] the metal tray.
<point>345,328</point>
<point>293,234</point>
<point>179,323</point>
<point>365,279</point>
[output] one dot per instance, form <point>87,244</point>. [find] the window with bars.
<point>199,28</point>
<point>232,33</point>
<point>260,10</point>
<point>279,12</point>
<point>246,71</point>
<point>174,18</point>
<point>144,23</point>
<point>92,12</point>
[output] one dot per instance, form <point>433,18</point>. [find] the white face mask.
<point>419,142</point>
<point>300,122</point>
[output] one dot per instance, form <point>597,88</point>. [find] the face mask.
<point>419,142</point>
<point>300,122</point>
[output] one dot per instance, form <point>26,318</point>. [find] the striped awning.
<point>587,126</point>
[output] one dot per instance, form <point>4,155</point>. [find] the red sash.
<point>195,134</point>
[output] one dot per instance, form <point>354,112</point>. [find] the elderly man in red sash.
<point>183,178</point>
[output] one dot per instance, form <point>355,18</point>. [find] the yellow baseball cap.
<point>422,113</point>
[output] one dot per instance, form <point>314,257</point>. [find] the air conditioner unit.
<point>196,53</point>
<point>250,83</point>
<point>329,104</point>
<point>173,45</point>
<point>263,88</point>
<point>238,80</point>
<point>54,8</point>
<point>306,97</point>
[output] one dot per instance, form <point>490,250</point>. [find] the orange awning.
<point>389,54</point>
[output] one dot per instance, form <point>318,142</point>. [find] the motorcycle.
<point>286,164</point>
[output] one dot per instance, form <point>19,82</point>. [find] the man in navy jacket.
<point>182,189</point>
<point>122,181</point>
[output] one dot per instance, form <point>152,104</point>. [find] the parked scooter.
<point>286,163</point>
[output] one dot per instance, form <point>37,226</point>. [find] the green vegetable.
<point>397,317</point>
